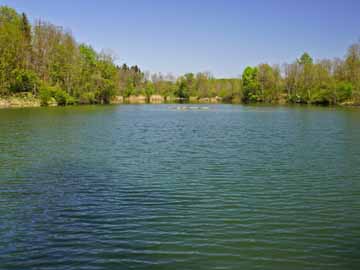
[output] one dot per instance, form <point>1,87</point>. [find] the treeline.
<point>303,81</point>
<point>45,60</point>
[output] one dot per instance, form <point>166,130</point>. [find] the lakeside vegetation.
<point>46,62</point>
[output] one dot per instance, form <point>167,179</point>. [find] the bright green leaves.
<point>24,81</point>
<point>250,84</point>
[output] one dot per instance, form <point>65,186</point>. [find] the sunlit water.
<point>152,187</point>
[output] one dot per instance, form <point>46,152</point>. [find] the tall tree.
<point>250,84</point>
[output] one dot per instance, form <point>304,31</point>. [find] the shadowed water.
<point>152,187</point>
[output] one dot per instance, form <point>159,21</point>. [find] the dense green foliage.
<point>47,61</point>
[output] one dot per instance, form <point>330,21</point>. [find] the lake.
<point>153,187</point>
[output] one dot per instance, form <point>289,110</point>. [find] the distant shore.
<point>24,100</point>
<point>28,100</point>
<point>44,65</point>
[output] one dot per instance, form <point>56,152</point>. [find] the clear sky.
<point>220,36</point>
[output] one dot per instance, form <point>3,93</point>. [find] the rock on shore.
<point>156,99</point>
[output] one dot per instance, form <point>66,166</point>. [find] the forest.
<point>46,61</point>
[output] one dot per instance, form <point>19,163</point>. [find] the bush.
<point>106,92</point>
<point>45,95</point>
<point>323,96</point>
<point>344,91</point>
<point>60,96</point>
<point>24,81</point>
<point>71,100</point>
<point>87,98</point>
<point>254,98</point>
<point>142,91</point>
<point>49,93</point>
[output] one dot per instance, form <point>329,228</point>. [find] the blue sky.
<point>220,36</point>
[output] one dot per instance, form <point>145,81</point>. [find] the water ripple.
<point>148,187</point>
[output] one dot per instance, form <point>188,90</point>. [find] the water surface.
<point>152,187</point>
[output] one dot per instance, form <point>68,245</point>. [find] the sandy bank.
<point>19,101</point>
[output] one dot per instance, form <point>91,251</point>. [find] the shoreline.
<point>24,100</point>
<point>27,100</point>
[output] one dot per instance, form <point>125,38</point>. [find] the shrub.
<point>24,81</point>
<point>106,92</point>
<point>254,98</point>
<point>45,95</point>
<point>87,98</point>
<point>323,96</point>
<point>71,100</point>
<point>60,96</point>
<point>344,91</point>
<point>49,93</point>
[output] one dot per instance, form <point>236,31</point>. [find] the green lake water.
<point>153,187</point>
